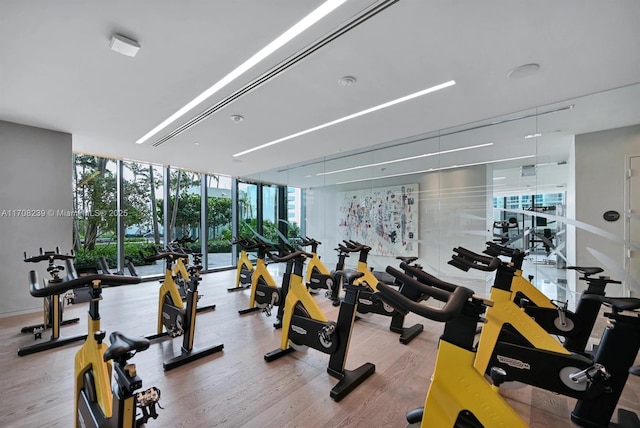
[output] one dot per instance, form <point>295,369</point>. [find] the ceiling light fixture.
<point>306,22</point>
<point>499,178</point>
<point>477,146</point>
<point>352,116</point>
<point>536,135</point>
<point>347,81</point>
<point>236,118</point>
<point>522,71</point>
<point>435,169</point>
<point>124,45</point>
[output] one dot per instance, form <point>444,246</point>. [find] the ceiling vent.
<point>528,171</point>
<point>358,19</point>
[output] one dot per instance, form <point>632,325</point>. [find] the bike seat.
<point>349,275</point>
<point>121,345</point>
<point>385,277</point>
<point>407,260</point>
<point>617,303</point>
<point>586,271</point>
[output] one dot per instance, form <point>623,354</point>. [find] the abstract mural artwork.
<point>385,219</point>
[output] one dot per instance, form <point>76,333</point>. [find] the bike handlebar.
<point>427,279</point>
<point>353,246</point>
<point>494,250</point>
<point>430,289</point>
<point>468,259</point>
<point>289,256</point>
<point>78,282</point>
<point>184,240</point>
<point>159,255</point>
<point>454,300</point>
<point>48,255</point>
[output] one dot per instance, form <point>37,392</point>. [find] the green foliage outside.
<point>89,258</point>
<point>187,217</point>
<point>94,228</point>
<point>269,229</point>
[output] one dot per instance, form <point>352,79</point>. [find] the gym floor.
<point>236,387</point>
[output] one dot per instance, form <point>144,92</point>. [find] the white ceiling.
<point>57,72</point>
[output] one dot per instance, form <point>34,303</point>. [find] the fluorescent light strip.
<point>536,135</point>
<point>352,116</point>
<point>435,169</point>
<point>406,159</point>
<point>306,22</point>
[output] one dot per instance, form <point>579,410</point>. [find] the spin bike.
<point>317,276</point>
<point>369,275</point>
<point>554,316</point>
<point>513,341</point>
<point>305,324</point>
<point>244,270</point>
<point>370,303</point>
<point>53,308</point>
<point>175,317</point>
<point>265,293</point>
<point>459,395</point>
<point>105,382</point>
<point>183,272</point>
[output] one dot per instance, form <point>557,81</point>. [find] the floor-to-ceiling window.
<point>95,210</point>
<point>143,231</point>
<point>219,221</point>
<point>247,201</point>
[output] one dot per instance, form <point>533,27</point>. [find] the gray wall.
<point>36,174</point>
<point>600,183</point>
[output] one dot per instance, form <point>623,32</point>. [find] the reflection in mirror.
<point>538,180</point>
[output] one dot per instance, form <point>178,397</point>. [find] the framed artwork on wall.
<point>385,219</point>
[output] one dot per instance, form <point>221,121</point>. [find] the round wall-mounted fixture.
<point>347,81</point>
<point>523,71</point>
<point>236,118</point>
<point>196,143</point>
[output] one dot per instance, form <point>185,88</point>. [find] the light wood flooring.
<point>236,387</point>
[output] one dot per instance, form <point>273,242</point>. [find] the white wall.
<point>599,187</point>
<point>36,174</point>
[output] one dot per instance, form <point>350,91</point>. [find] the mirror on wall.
<point>513,180</point>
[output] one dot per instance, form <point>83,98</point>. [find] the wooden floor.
<point>236,387</point>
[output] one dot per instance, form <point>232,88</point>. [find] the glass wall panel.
<point>294,203</point>
<point>219,221</point>
<point>549,181</point>
<point>143,186</point>
<point>270,210</point>
<point>247,201</point>
<point>95,215</point>
<point>185,207</point>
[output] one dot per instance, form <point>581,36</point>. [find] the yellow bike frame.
<point>368,276</point>
<point>315,264</point>
<point>90,356</point>
<point>243,262</point>
<point>168,287</point>
<point>465,388</point>
<point>260,271</point>
<point>181,269</point>
<point>522,285</point>
<point>298,293</point>
<point>505,311</point>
